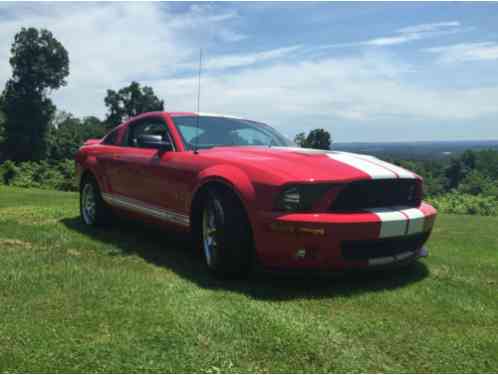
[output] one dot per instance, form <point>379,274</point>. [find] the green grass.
<point>132,299</point>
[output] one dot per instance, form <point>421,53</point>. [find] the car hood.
<point>301,164</point>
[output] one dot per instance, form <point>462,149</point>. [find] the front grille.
<point>365,194</point>
<point>385,247</point>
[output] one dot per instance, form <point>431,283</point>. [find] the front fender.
<point>233,177</point>
<point>88,164</point>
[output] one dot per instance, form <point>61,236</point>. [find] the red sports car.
<point>246,194</point>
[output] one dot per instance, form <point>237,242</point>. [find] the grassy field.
<point>131,299</point>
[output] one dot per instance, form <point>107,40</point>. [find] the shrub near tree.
<point>39,63</point>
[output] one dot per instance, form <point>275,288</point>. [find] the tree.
<point>130,101</point>
<point>460,167</point>
<point>39,63</point>
<point>2,123</point>
<point>2,129</point>
<point>317,138</point>
<point>68,133</point>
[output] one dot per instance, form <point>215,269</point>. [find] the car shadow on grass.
<point>174,252</point>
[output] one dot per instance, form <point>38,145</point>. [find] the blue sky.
<point>364,71</point>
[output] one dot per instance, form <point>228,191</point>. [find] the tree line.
<point>39,141</point>
<point>31,128</point>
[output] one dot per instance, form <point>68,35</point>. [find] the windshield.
<point>223,131</point>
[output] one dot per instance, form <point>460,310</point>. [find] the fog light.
<point>312,231</point>
<point>282,227</point>
<point>301,254</point>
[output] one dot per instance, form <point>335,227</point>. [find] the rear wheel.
<point>225,235</point>
<point>93,210</point>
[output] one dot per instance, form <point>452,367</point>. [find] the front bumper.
<point>339,241</point>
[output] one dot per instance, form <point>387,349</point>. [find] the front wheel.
<point>93,209</point>
<point>226,235</point>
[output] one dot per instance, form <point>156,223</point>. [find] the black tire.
<point>102,212</point>
<point>232,255</point>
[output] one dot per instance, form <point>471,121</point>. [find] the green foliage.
<point>68,133</point>
<point>317,138</point>
<point>7,172</point>
<point>460,167</point>
<point>433,173</point>
<point>2,124</point>
<point>465,204</point>
<point>39,63</point>
<point>26,126</point>
<point>28,174</point>
<point>130,101</point>
<point>477,182</point>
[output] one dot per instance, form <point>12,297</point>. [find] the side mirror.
<point>154,141</point>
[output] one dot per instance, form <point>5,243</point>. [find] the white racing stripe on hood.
<point>375,171</point>
<point>401,172</point>
<point>375,168</point>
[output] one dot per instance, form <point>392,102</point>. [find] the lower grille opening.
<point>384,247</point>
<point>366,194</point>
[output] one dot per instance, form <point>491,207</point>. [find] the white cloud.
<point>428,27</point>
<point>356,89</point>
<point>466,52</point>
<point>244,60</point>
<point>111,44</point>
<point>408,34</point>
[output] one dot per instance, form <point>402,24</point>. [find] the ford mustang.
<point>249,196</point>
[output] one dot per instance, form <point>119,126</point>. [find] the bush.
<point>7,172</point>
<point>45,175</point>
<point>465,204</point>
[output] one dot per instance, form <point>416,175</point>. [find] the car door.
<point>114,176</point>
<point>149,174</point>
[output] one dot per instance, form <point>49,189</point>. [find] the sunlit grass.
<point>134,299</point>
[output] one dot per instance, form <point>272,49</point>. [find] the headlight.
<point>290,199</point>
<point>300,197</point>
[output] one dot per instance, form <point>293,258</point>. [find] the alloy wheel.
<point>89,204</point>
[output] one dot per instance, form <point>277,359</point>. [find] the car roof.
<point>206,114</point>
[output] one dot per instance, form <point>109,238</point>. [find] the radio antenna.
<point>198,102</point>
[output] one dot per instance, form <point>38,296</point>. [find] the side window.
<point>111,138</point>
<point>146,127</point>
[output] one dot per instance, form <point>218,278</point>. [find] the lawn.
<point>135,299</point>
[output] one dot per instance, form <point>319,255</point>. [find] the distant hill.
<point>415,150</point>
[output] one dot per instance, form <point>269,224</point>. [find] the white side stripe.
<point>373,170</point>
<point>137,206</point>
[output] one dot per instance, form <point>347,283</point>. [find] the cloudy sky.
<point>365,72</point>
